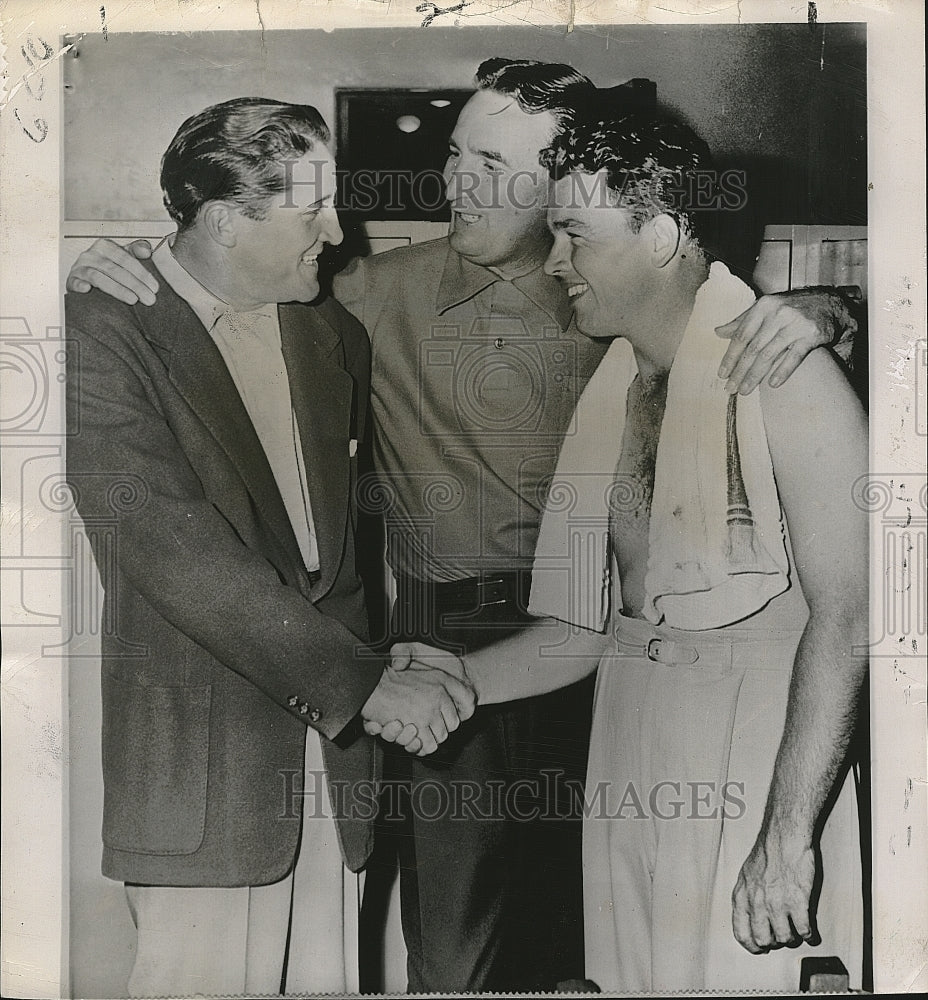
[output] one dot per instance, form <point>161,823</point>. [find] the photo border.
<point>34,683</point>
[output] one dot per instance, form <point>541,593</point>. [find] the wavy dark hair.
<point>539,86</point>
<point>653,165</point>
<point>235,151</point>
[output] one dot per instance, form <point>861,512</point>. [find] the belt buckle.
<point>483,597</point>
<point>683,656</point>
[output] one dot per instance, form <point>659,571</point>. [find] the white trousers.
<point>683,754</point>
<point>224,942</point>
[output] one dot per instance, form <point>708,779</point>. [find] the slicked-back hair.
<point>651,165</point>
<point>539,86</point>
<point>235,152</point>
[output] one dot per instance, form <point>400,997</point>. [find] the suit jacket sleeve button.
<point>304,708</point>
<point>293,701</point>
<point>315,715</point>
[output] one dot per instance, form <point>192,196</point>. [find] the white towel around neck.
<point>693,580</point>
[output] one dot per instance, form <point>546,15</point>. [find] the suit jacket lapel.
<point>198,372</point>
<point>321,392</point>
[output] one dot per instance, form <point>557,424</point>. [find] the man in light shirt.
<point>214,468</point>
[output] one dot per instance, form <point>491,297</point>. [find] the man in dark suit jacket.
<point>217,439</point>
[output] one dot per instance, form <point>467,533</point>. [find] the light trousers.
<point>683,753</point>
<point>299,935</point>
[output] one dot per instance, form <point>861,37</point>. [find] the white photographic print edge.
<point>39,565</point>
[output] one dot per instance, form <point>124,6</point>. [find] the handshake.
<point>422,697</point>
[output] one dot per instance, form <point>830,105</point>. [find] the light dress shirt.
<point>249,343</point>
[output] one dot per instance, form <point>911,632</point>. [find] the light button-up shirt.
<point>249,343</point>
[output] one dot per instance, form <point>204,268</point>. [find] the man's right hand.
<point>116,271</point>
<point>430,704</point>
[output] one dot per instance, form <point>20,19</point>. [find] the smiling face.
<point>274,259</point>
<point>604,265</point>
<point>496,187</point>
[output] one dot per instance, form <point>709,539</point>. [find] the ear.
<point>220,220</point>
<point>665,239</point>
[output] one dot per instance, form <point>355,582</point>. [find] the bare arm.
<point>542,657</point>
<point>778,332</point>
<point>818,442</point>
<point>546,655</point>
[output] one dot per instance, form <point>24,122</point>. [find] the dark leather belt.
<point>466,613</point>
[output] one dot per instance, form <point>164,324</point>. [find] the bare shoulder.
<point>818,439</point>
<point>817,436</point>
<point>817,397</point>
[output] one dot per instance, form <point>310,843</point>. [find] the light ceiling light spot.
<point>408,123</point>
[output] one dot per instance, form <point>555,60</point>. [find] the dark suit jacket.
<point>217,649</point>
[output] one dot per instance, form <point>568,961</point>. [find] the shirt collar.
<point>462,280</point>
<point>208,307</point>
<point>547,293</point>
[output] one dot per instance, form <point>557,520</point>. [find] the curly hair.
<point>653,165</point>
<point>235,151</point>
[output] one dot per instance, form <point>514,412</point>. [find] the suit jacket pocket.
<point>155,765</point>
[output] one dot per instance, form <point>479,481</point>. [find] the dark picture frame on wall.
<point>391,146</point>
